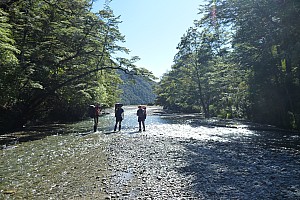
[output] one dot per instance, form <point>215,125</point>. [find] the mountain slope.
<point>136,90</point>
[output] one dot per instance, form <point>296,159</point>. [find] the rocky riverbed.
<point>172,159</point>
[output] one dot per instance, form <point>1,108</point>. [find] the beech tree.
<point>64,60</point>
<point>8,61</point>
<point>204,71</point>
<point>266,36</point>
<point>245,62</point>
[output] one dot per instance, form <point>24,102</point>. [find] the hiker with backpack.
<point>97,113</point>
<point>94,112</point>
<point>119,114</point>
<point>141,113</point>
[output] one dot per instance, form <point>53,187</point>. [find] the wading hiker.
<point>119,114</point>
<point>94,112</point>
<point>141,113</point>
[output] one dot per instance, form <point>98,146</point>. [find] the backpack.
<point>141,113</point>
<point>91,111</point>
<point>118,113</point>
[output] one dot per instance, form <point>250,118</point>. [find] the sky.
<point>153,28</point>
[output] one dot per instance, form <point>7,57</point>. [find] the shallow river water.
<point>177,157</point>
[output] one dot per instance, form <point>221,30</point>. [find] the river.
<point>179,156</point>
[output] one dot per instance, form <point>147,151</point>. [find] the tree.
<point>203,71</point>
<point>65,59</point>
<point>8,61</point>
<point>242,59</point>
<point>265,42</point>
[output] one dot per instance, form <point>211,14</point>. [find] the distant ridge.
<point>136,90</point>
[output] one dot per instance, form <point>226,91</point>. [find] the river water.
<point>203,159</point>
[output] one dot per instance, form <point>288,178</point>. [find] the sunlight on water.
<point>178,126</point>
<point>198,133</point>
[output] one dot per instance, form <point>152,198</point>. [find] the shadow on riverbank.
<point>235,170</point>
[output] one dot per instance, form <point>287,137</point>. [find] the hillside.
<point>136,90</point>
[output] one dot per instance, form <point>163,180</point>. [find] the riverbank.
<point>140,166</point>
<point>173,159</point>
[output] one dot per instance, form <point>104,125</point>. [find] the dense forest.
<point>136,90</point>
<point>56,58</point>
<point>241,59</point>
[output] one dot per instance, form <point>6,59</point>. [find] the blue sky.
<point>153,28</point>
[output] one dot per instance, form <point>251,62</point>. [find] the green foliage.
<point>8,62</point>
<point>203,77</point>
<point>7,48</point>
<point>271,37</point>
<point>58,59</point>
<point>241,59</point>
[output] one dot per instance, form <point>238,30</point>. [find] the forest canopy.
<point>56,58</point>
<point>239,60</point>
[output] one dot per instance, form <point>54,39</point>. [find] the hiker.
<point>119,114</point>
<point>141,113</point>
<point>94,112</point>
<point>97,112</point>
